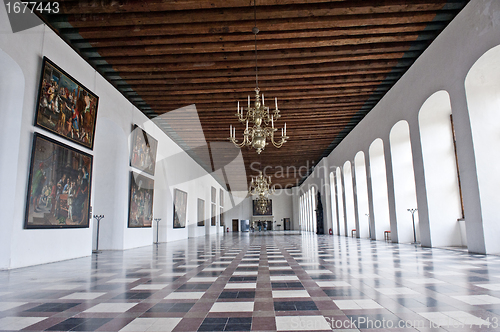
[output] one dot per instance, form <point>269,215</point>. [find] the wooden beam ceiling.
<point>327,62</point>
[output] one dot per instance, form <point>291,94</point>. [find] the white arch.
<point>379,189</point>
<point>349,198</point>
<point>440,170</point>
<point>333,198</point>
<point>482,86</point>
<point>362,194</point>
<point>340,200</point>
<point>404,182</point>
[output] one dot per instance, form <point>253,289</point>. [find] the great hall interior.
<point>261,165</point>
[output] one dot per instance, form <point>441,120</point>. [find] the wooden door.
<point>235,225</point>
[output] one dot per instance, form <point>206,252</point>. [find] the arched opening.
<point>308,224</point>
<point>362,194</point>
<point>404,183</point>
<point>333,198</point>
<point>301,211</point>
<point>349,198</point>
<point>440,171</point>
<point>340,200</point>
<point>379,189</point>
<point>306,210</point>
<point>482,86</point>
<point>314,225</point>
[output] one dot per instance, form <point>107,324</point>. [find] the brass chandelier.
<point>259,117</point>
<point>261,187</point>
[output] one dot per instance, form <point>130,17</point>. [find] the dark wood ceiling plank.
<point>356,8</point>
<point>263,79</point>
<point>265,45</point>
<point>102,41</point>
<point>364,49</point>
<point>126,6</point>
<point>93,30</point>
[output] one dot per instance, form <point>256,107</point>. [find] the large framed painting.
<point>65,107</point>
<point>140,212</point>
<point>221,217</point>
<point>59,186</point>
<point>213,195</point>
<point>201,212</point>
<point>180,208</point>
<point>214,215</point>
<point>143,154</point>
<point>268,210</point>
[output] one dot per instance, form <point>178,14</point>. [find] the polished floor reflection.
<point>258,282</point>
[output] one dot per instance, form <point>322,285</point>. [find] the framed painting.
<point>140,208</point>
<point>213,195</point>
<point>214,215</point>
<point>65,107</point>
<point>268,209</point>
<point>180,208</point>
<point>59,186</point>
<point>143,151</point>
<point>201,212</point>
<point>221,217</point>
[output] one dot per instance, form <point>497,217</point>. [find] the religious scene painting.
<point>267,211</point>
<point>143,155</point>
<point>59,186</point>
<point>141,201</point>
<point>180,208</point>
<point>201,212</point>
<point>65,107</point>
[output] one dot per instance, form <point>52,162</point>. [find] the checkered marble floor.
<point>258,282</point>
